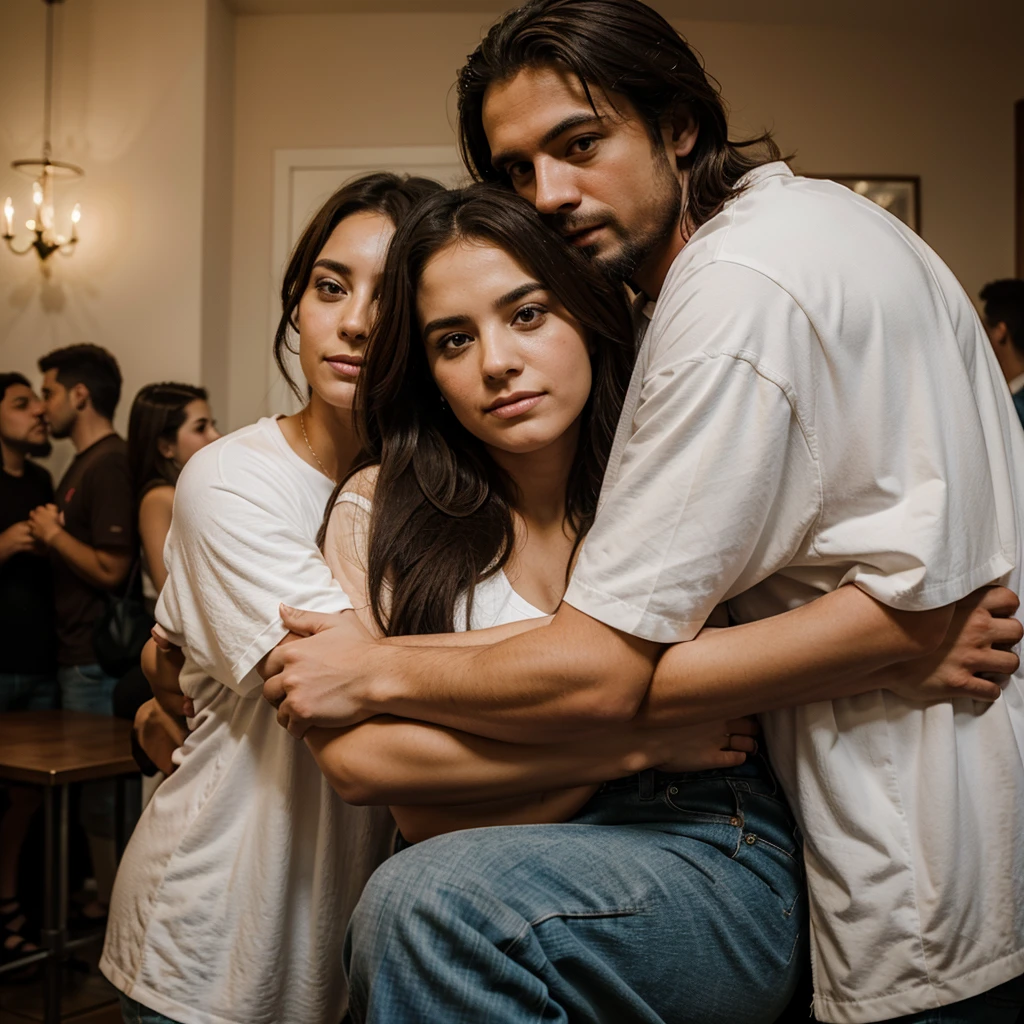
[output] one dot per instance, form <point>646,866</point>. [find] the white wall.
<point>846,101</point>
<point>129,107</point>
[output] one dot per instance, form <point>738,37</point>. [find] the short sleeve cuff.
<point>273,634</point>
<point>893,591</point>
<point>628,618</point>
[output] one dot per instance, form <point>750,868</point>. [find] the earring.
<point>444,404</point>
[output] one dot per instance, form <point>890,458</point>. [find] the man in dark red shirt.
<point>89,529</point>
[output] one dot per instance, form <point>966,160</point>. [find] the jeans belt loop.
<point>645,780</point>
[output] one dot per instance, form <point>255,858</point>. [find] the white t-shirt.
<point>816,403</point>
<point>232,899</point>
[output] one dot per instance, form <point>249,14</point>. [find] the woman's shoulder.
<point>157,494</point>
<point>361,484</point>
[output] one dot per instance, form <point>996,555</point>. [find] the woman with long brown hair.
<point>232,896</point>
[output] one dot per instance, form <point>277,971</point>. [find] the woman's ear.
<point>167,450</point>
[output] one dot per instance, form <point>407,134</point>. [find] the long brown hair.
<point>391,195</point>
<point>623,47</point>
<point>157,414</point>
<point>442,511</point>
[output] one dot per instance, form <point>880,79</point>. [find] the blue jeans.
<point>1000,1005</point>
<point>135,1013</point>
<point>28,691</point>
<point>668,898</point>
<point>88,688</point>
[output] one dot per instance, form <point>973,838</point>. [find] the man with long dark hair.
<point>814,405</point>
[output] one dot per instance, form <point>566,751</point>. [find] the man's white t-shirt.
<point>815,403</point>
<point>232,899</point>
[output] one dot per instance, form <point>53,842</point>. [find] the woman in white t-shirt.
<point>232,897</point>
<point>493,389</point>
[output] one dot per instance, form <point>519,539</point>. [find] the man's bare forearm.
<point>833,647</point>
<point>106,569</point>
<point>570,678</point>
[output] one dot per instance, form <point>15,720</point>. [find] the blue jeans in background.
<point>668,898</point>
<point>1000,1005</point>
<point>135,1013</point>
<point>28,691</point>
<point>88,688</point>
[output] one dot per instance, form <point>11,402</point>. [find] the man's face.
<point>22,426</point>
<point>59,405</point>
<point>599,179</point>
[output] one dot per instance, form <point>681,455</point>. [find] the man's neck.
<point>13,460</point>
<point>651,276</point>
<point>89,428</point>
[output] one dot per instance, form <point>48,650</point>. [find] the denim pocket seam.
<point>582,915</point>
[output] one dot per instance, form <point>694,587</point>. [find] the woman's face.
<point>337,307</point>
<point>198,430</point>
<point>506,356</point>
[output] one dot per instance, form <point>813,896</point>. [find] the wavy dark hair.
<point>624,48</point>
<point>392,195</point>
<point>157,414</point>
<point>442,511</point>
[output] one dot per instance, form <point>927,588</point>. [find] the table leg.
<point>55,897</point>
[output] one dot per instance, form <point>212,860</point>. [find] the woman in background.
<point>168,424</point>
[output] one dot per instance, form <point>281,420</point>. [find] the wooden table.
<point>52,749</point>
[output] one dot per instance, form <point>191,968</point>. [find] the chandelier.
<point>45,172</point>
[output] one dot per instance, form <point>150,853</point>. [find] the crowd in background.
<point>65,554</point>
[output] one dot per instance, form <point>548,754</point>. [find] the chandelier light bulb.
<point>45,172</point>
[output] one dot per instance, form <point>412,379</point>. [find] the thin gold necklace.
<point>302,427</point>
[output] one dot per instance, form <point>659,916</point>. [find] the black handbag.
<point>122,630</point>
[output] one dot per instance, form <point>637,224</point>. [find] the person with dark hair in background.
<point>1003,317</point>
<point>28,642</point>
<point>167,425</point>
<point>90,533</point>
<point>814,410</point>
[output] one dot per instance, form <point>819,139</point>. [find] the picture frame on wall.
<point>899,194</point>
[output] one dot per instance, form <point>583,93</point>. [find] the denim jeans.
<point>668,898</point>
<point>88,688</point>
<point>135,1013</point>
<point>1000,1005</point>
<point>28,691</point>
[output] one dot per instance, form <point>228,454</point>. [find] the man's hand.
<point>159,735</point>
<point>315,680</point>
<point>16,539</point>
<point>46,523</point>
<point>974,660</point>
<point>161,665</point>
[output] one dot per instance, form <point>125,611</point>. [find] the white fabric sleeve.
<point>717,485</point>
<point>232,559</point>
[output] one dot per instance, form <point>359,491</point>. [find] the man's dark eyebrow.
<point>501,160</point>
<point>338,268</point>
<point>444,322</point>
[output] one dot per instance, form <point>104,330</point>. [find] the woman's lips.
<point>509,410</point>
<point>345,366</point>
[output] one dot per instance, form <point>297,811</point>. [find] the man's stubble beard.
<point>634,251</point>
<point>32,449</point>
